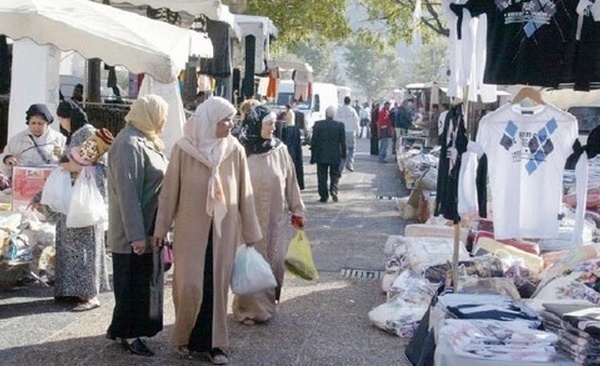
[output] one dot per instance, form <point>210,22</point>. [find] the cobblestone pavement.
<point>319,323</point>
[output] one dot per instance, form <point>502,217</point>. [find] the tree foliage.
<point>375,70</point>
<point>397,17</point>
<point>431,62</point>
<point>302,20</point>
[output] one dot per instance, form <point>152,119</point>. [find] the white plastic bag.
<point>87,206</point>
<point>251,272</point>
<point>57,191</point>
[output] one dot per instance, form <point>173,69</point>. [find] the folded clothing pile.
<point>578,328</point>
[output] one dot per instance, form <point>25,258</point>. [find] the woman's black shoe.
<point>137,347</point>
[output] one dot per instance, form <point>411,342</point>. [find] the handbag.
<point>167,256</point>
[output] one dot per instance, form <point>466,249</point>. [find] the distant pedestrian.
<point>133,187</point>
<point>277,199</point>
<point>347,115</point>
<point>365,121</point>
<point>328,149</point>
<point>384,131</point>
<point>373,128</point>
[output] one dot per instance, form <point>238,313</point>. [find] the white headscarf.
<point>200,141</point>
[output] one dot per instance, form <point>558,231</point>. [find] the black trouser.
<point>201,336</point>
<point>334,177</point>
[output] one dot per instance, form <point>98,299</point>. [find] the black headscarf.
<point>72,110</point>
<point>592,148</point>
<point>250,136</point>
<point>39,110</point>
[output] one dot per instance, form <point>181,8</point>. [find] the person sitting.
<point>37,145</point>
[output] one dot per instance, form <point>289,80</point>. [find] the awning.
<point>258,26</point>
<point>140,44</point>
<point>213,9</point>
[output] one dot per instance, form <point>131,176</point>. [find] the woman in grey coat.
<point>135,174</point>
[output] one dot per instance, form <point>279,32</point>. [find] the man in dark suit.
<point>328,150</point>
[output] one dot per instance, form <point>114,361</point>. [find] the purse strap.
<point>39,150</point>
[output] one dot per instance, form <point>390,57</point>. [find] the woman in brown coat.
<point>207,193</point>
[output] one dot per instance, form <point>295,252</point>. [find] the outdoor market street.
<point>319,323</point>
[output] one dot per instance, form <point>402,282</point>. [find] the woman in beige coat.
<point>276,196</point>
<point>208,194</point>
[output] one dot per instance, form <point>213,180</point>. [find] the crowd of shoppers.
<point>214,192</point>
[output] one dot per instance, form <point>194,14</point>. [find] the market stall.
<point>522,287</point>
<point>142,45</point>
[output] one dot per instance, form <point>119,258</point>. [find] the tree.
<point>397,16</point>
<point>376,70</point>
<point>431,63</point>
<point>302,20</point>
<point>315,53</point>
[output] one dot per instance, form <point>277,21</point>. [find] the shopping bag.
<point>251,272</point>
<point>299,258</point>
<point>57,191</point>
<point>87,205</point>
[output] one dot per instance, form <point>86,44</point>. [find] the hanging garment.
<point>586,68</point>
<point>527,41</point>
<point>220,64</point>
<point>273,82</point>
<point>248,82</point>
<point>526,149</point>
<point>453,144</point>
<point>204,83</point>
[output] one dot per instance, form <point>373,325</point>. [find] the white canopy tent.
<point>213,9</point>
<point>140,44</point>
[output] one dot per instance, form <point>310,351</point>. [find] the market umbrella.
<point>140,44</point>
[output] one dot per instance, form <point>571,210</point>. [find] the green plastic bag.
<point>299,258</point>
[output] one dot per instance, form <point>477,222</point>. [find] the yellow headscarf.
<point>148,114</point>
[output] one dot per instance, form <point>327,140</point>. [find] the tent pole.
<point>456,247</point>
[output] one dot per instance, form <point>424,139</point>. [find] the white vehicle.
<point>322,96</point>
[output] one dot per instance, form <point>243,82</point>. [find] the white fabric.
<point>141,44</point>
<point>467,56</point>
<point>441,120</point>
<point>173,130</point>
<point>201,142</point>
<point>487,92</point>
<point>467,189</point>
<point>213,9</point>
<point>347,115</point>
<point>32,65</point>
<point>526,193</point>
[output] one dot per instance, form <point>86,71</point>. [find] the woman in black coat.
<point>374,137</point>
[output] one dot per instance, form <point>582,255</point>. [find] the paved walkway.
<point>319,323</point>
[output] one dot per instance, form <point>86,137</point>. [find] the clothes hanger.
<point>530,93</point>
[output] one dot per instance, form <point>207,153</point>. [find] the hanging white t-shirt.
<point>527,149</point>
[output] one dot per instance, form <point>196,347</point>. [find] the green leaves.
<point>302,20</point>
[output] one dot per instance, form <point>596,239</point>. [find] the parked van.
<point>322,96</point>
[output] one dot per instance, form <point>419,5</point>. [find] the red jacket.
<point>384,124</point>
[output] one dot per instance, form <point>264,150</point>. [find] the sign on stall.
<point>26,183</point>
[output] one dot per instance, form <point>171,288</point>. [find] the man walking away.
<point>384,131</point>
<point>328,149</point>
<point>365,121</point>
<point>347,115</point>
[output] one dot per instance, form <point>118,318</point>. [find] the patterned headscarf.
<point>148,114</point>
<point>250,137</point>
<point>201,142</point>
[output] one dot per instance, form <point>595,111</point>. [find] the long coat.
<point>183,200</point>
<point>276,195</point>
